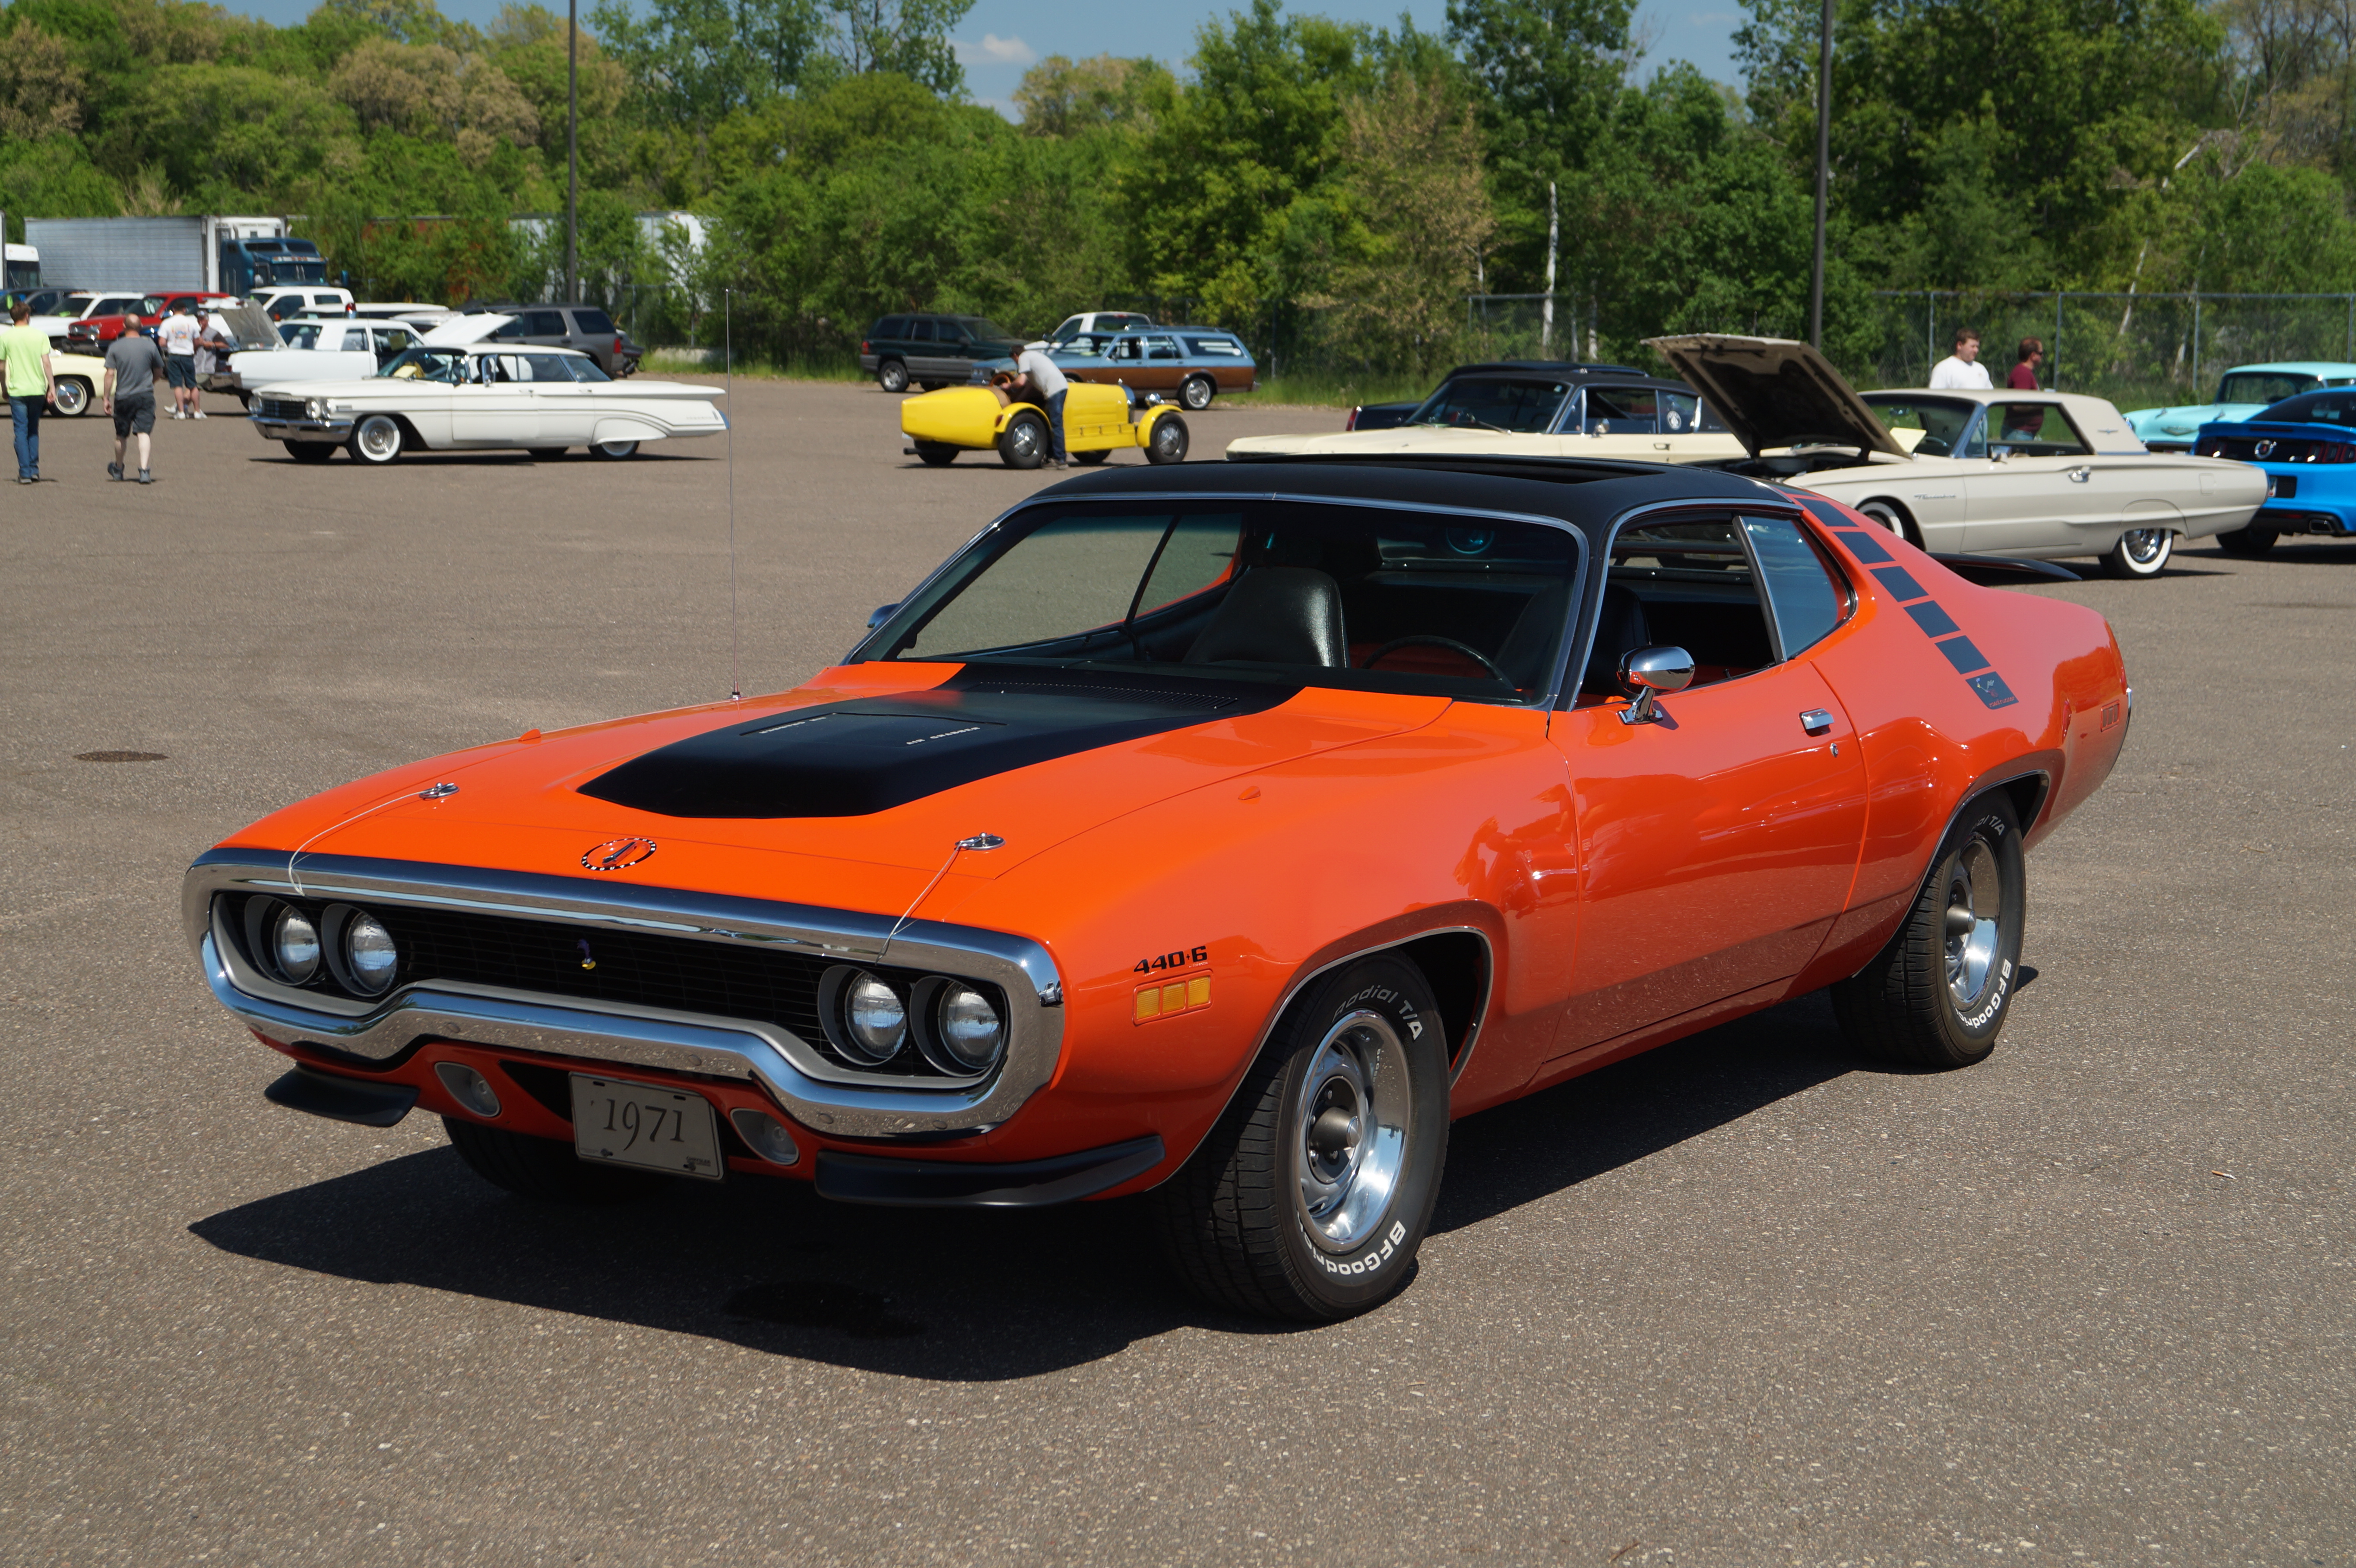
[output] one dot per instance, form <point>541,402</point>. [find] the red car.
<point>1216,832</point>
<point>92,331</point>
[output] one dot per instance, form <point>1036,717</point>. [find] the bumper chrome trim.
<point>808,1088</point>
<point>302,430</point>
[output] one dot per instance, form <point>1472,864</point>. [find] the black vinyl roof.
<point>1587,494</point>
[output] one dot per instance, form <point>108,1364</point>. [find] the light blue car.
<point>2245,391</point>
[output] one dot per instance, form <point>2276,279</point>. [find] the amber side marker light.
<point>1174,996</point>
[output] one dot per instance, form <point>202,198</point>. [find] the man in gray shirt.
<point>133,364</point>
<point>1035,372</point>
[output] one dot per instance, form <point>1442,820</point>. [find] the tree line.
<point>1329,188</point>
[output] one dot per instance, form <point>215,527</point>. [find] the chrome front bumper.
<point>303,429</point>
<point>814,1091</point>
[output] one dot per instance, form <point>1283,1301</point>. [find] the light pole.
<point>1823,177</point>
<point>572,155</point>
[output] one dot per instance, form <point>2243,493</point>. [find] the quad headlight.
<point>874,1018</point>
<point>316,408</point>
<point>957,1028</point>
<point>370,959</point>
<point>967,1033</point>
<point>295,945</point>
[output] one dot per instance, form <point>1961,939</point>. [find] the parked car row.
<point>1191,365</point>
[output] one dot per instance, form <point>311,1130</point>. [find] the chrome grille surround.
<point>804,1082</point>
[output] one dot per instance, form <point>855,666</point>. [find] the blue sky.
<point>999,38</point>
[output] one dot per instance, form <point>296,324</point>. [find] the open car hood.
<point>462,330</point>
<point>1772,392</point>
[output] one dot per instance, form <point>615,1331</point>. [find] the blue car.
<point>2306,446</point>
<point>2245,390</point>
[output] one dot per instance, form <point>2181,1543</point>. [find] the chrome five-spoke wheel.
<point>1350,1136</point>
<point>1975,909</point>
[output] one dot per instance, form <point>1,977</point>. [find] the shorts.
<point>135,416</point>
<point>180,369</point>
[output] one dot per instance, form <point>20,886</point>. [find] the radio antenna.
<point>728,382</point>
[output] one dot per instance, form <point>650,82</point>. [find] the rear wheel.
<point>892,376</point>
<point>1091,457</point>
<point>543,1168</point>
<point>2140,552</point>
<point>1938,995</point>
<point>377,439</point>
<point>309,451</point>
<point>1024,443</point>
<point>613,451</point>
<point>1166,443</point>
<point>546,453</point>
<point>1194,393</point>
<point>1308,1197</point>
<point>936,455</point>
<point>73,397</point>
<point>2248,542</point>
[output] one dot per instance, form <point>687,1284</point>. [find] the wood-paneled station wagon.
<point>1216,832</point>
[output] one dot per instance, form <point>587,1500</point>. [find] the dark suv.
<point>932,350</point>
<point>582,327</point>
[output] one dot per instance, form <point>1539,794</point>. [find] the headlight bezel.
<point>925,1049</point>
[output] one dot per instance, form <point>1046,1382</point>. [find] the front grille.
<point>725,979</point>
<point>278,409</point>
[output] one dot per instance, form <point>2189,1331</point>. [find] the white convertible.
<point>453,392</point>
<point>2041,475</point>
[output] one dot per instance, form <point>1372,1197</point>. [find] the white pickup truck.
<point>338,349</point>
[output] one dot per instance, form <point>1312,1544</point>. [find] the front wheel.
<point>1194,393</point>
<point>2140,552</point>
<point>2249,543</point>
<point>1091,457</point>
<point>1308,1197</point>
<point>613,451</point>
<point>545,453</point>
<point>377,439</point>
<point>933,454</point>
<point>892,376</point>
<point>73,397</point>
<point>309,451</point>
<point>1024,443</point>
<point>543,1168</point>
<point>1166,443</point>
<point>1938,995</point>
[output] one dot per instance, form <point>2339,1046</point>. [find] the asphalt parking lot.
<point>1749,1299</point>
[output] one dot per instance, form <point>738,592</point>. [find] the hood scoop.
<point>865,755</point>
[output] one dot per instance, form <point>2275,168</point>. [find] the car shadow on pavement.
<point>959,1295</point>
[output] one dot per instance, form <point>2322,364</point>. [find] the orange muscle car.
<point>1217,832</point>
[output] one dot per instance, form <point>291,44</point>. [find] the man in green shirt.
<point>31,387</point>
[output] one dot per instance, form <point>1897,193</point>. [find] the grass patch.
<point>708,362</point>
<point>1330,391</point>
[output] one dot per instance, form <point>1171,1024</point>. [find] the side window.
<point>1680,413</point>
<point>1161,348</point>
<point>1128,348</point>
<point>1621,411</point>
<point>1803,596</point>
<point>546,368</point>
<point>354,339</point>
<point>2036,430</point>
<point>1975,442</point>
<point>1682,584</point>
<point>920,330</point>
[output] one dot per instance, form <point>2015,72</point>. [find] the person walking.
<point>32,387</point>
<point>1962,371</point>
<point>133,364</point>
<point>178,334</point>
<point>1035,372</point>
<point>2024,374</point>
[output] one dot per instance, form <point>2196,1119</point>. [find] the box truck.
<point>157,255</point>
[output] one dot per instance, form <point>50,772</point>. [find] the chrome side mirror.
<point>883,613</point>
<point>1645,672</point>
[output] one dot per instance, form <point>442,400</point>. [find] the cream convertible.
<point>2041,475</point>
<point>454,392</point>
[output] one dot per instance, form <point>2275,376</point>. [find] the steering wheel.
<point>1475,654</point>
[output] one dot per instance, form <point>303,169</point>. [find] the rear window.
<point>2314,407</point>
<point>890,327</point>
<point>593,321</point>
<point>1209,346</point>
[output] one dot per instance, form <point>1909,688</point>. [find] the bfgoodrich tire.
<point>1312,1192</point>
<point>1939,994</point>
<point>543,1168</point>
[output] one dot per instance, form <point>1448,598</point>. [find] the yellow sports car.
<point>1096,420</point>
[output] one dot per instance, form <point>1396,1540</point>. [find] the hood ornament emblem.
<point>617,854</point>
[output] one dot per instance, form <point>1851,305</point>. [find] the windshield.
<point>429,365</point>
<point>1367,599</point>
<point>1494,402</point>
<point>1941,420</point>
<point>2264,386</point>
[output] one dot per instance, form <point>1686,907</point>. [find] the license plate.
<point>645,1125</point>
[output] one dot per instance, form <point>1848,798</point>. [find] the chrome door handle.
<point>1815,721</point>
<point>2080,476</point>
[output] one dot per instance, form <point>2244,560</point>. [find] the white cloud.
<point>995,50</point>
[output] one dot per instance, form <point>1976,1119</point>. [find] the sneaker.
<point>143,479</point>
<point>115,471</point>
<point>21,479</point>
<point>179,413</point>
<point>200,413</point>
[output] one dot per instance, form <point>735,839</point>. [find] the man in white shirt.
<point>1961,372</point>
<point>178,337</point>
<point>1035,372</point>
